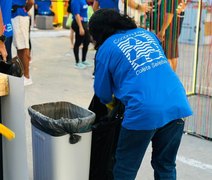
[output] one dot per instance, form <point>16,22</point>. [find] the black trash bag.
<point>105,133</point>
<point>61,118</point>
<point>12,67</point>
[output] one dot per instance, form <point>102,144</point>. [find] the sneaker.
<point>86,63</point>
<point>80,66</point>
<point>27,81</point>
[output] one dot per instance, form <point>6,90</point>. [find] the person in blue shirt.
<point>131,65</point>
<point>79,9</point>
<point>21,25</point>
<point>105,4</point>
<point>43,8</point>
<point>8,32</point>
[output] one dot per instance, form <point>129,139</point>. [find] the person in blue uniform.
<point>132,66</point>
<point>105,4</point>
<point>79,9</point>
<point>43,8</point>
<point>6,6</point>
<point>21,24</point>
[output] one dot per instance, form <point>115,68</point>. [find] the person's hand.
<point>145,7</point>
<point>161,35</point>
<point>82,31</point>
<point>3,51</point>
<point>181,7</point>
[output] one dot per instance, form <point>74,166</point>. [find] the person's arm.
<point>181,7</point>
<point>144,7</point>
<point>95,5</point>
<point>3,51</point>
<point>103,81</point>
<point>169,14</point>
<point>79,23</point>
<point>29,4</point>
<point>167,22</point>
<point>75,7</point>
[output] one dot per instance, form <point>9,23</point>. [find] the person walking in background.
<point>132,66</point>
<point>70,18</point>
<point>3,51</point>
<point>79,9</point>
<point>20,23</point>
<point>6,6</point>
<point>43,8</point>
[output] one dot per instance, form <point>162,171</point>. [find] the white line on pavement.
<point>194,163</point>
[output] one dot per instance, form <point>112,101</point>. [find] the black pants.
<point>85,40</point>
<point>8,45</point>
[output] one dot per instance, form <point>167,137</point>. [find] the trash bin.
<point>61,140</point>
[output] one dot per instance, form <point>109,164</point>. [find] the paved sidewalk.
<point>55,79</point>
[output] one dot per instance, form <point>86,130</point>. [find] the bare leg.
<point>173,63</point>
<point>24,56</point>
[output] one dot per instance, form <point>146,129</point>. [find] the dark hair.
<point>106,22</point>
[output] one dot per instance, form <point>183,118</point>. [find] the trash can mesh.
<point>60,118</point>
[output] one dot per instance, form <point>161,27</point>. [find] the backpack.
<point>69,6</point>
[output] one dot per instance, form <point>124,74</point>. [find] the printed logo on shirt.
<point>84,19</point>
<point>8,27</point>
<point>142,51</point>
<point>85,6</point>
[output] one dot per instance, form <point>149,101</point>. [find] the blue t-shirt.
<point>43,7</point>
<point>19,11</point>
<point>108,4</point>
<point>6,13</point>
<point>80,7</point>
<point>132,66</point>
